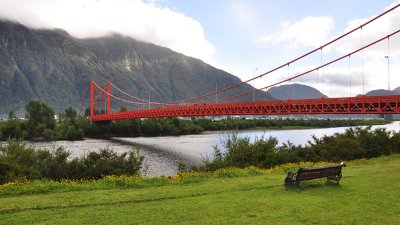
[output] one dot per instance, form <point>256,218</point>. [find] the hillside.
<point>52,66</point>
<point>381,92</point>
<point>294,91</point>
<point>397,89</point>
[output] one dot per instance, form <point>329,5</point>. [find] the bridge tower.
<point>103,96</point>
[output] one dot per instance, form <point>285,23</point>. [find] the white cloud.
<point>377,29</point>
<point>140,19</point>
<point>368,70</point>
<point>374,65</point>
<point>310,31</point>
<point>339,80</point>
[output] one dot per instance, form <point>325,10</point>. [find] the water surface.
<point>163,153</point>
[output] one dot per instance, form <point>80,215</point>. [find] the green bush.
<point>19,162</point>
<point>108,162</point>
<point>354,143</point>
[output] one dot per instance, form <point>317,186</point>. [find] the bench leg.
<point>335,178</point>
<point>290,180</point>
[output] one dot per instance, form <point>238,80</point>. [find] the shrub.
<point>354,143</point>
<point>48,134</point>
<point>18,162</point>
<point>395,142</point>
<point>108,162</point>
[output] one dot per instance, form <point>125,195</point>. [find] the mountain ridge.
<point>381,92</point>
<point>52,66</point>
<point>294,91</point>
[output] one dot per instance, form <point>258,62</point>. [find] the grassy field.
<point>368,194</point>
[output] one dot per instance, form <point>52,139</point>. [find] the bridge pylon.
<point>102,96</point>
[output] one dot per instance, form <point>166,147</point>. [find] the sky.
<point>243,37</point>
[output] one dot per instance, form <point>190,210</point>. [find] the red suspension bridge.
<point>101,95</point>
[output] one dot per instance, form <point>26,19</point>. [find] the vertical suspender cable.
<point>149,98</point>
<point>349,78</point>
<point>362,60</point>
<point>318,79</point>
<point>322,74</point>
<point>388,59</point>
<point>288,76</point>
<point>216,92</point>
<point>253,85</point>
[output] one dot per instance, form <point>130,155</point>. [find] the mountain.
<point>397,89</point>
<point>381,92</point>
<point>294,91</point>
<point>52,66</point>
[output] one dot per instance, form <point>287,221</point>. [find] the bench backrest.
<point>318,172</point>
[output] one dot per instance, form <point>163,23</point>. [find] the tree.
<point>70,116</point>
<point>11,115</point>
<point>39,117</point>
<point>70,113</point>
<point>69,127</point>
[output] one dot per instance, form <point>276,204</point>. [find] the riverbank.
<point>317,125</point>
<point>266,129</point>
<point>70,127</point>
<point>366,195</point>
<point>163,154</point>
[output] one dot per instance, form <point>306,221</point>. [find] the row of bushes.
<point>40,124</point>
<point>17,161</point>
<point>146,127</point>
<point>354,143</point>
<point>242,124</point>
<point>175,126</point>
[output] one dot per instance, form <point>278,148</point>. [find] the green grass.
<point>368,194</point>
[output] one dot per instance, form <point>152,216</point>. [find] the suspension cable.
<point>312,70</point>
<point>283,65</point>
<point>173,103</point>
<point>124,100</point>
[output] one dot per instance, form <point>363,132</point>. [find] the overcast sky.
<point>240,35</point>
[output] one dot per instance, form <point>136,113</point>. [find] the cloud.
<point>368,70</point>
<point>310,31</point>
<point>141,19</point>
<point>339,81</point>
<point>378,29</point>
<point>335,76</point>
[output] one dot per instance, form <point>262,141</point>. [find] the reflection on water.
<point>162,153</point>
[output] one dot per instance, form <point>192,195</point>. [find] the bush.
<point>240,152</point>
<point>354,143</point>
<point>395,143</point>
<point>48,135</point>
<point>108,162</point>
<point>18,162</point>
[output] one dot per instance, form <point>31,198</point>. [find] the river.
<point>163,153</point>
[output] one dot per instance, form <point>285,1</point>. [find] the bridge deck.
<point>350,105</point>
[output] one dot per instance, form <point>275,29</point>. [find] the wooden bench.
<point>332,173</point>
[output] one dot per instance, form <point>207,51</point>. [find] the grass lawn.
<point>368,194</point>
